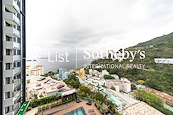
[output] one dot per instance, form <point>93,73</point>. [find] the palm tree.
<point>99,88</point>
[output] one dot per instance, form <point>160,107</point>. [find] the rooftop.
<point>65,108</point>
<point>128,100</point>
<point>141,108</point>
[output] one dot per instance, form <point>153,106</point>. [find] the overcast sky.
<point>62,25</point>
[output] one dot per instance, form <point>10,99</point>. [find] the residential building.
<point>119,85</point>
<point>81,73</point>
<point>104,72</point>
<point>168,99</point>
<point>115,76</point>
<point>63,74</point>
<point>34,70</point>
<point>163,60</point>
<point>109,83</point>
<point>12,56</point>
<point>127,87</point>
<point>141,108</point>
<point>44,88</point>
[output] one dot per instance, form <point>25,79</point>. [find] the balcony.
<point>9,101</point>
<point>11,72</point>
<point>17,97</point>
<point>12,32</point>
<point>11,18</point>
<point>17,84</point>
<point>11,45</point>
<point>11,58</point>
<point>12,6</point>
<point>11,113</point>
<point>9,87</point>
<point>16,108</point>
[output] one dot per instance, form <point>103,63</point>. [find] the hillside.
<point>158,47</point>
<point>157,76</point>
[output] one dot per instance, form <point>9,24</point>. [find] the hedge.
<point>42,101</point>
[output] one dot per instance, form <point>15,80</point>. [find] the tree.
<point>152,100</point>
<point>85,90</point>
<point>133,87</point>
<point>113,88</point>
<point>149,98</point>
<point>73,81</point>
<point>108,77</point>
<point>141,82</point>
<point>99,88</point>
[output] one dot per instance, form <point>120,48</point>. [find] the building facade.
<point>63,74</point>
<point>163,60</point>
<point>36,70</point>
<point>12,56</point>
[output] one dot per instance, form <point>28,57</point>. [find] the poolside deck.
<point>65,108</point>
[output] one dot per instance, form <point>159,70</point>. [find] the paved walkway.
<point>32,111</point>
<point>65,108</point>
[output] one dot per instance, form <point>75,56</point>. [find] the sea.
<point>52,65</point>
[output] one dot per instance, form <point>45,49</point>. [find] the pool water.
<point>111,97</point>
<point>79,111</point>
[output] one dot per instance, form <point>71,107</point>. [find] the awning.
<point>23,108</point>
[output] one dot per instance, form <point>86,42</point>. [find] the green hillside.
<point>158,47</point>
<point>157,76</point>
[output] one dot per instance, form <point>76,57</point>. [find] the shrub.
<point>29,108</point>
<point>42,101</point>
<point>108,77</point>
<point>113,88</point>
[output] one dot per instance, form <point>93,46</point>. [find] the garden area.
<point>104,105</point>
<point>50,102</point>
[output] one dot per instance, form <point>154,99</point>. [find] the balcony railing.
<point>11,58</point>
<point>11,45</point>
<point>12,6</point>
<point>11,72</point>
<point>11,18</point>
<point>12,32</point>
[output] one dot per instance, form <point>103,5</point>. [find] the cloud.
<point>63,25</point>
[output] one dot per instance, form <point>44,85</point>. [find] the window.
<point>18,15</point>
<point>17,76</point>
<point>18,40</point>
<point>8,38</point>
<point>18,52</point>
<point>7,80</point>
<point>8,66</point>
<point>15,50</point>
<point>14,40</point>
<point>15,64</point>
<point>18,28</point>
<point>7,10</point>
<point>7,95</point>
<point>18,64</point>
<point>8,52</point>
<point>7,109</point>
<point>7,24</point>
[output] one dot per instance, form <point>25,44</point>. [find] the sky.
<point>63,25</point>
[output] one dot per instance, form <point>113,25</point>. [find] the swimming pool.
<point>79,111</point>
<point>111,97</point>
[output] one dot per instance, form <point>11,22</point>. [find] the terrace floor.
<point>68,107</point>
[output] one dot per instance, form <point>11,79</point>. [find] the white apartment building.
<point>36,70</point>
<point>163,60</point>
<point>119,85</point>
<point>12,56</point>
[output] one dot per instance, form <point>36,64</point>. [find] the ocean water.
<point>54,66</point>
